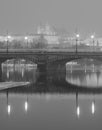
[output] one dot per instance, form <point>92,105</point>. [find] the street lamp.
<point>26,39</point>
<point>77,37</point>
<point>92,37</point>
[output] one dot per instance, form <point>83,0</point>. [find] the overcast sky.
<point>23,16</point>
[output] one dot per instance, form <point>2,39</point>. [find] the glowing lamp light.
<point>92,36</point>
<point>77,35</point>
<point>26,106</point>
<point>78,111</point>
<point>26,38</point>
<point>9,109</point>
<point>93,108</point>
<point>9,37</point>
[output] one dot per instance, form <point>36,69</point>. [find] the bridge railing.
<point>67,49</point>
<point>49,50</point>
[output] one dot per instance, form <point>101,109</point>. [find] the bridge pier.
<point>0,71</point>
<point>42,67</point>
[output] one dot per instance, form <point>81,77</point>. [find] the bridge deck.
<point>47,51</point>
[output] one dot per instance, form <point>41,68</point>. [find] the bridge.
<point>48,57</point>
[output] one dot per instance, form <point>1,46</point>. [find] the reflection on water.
<point>9,109</point>
<point>26,105</point>
<point>64,110</point>
<point>19,72</point>
<point>93,107</point>
<point>84,73</point>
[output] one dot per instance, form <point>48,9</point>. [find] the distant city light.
<point>9,109</point>
<point>93,108</point>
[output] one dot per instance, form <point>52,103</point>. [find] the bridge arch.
<point>65,59</point>
<point>17,61</point>
<point>33,60</point>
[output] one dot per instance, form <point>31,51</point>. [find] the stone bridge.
<point>44,58</point>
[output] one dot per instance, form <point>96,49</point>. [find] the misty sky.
<point>23,16</point>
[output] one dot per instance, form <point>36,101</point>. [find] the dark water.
<point>61,98</point>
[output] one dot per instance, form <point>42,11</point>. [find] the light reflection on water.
<point>19,72</point>
<point>27,99</point>
<point>65,110</point>
<point>84,74</point>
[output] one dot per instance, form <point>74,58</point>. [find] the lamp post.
<point>97,45</point>
<point>77,37</point>
<point>26,39</point>
<point>92,37</point>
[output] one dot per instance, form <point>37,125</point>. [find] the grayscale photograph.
<point>50,64</point>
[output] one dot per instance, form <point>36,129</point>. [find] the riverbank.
<point>6,85</point>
